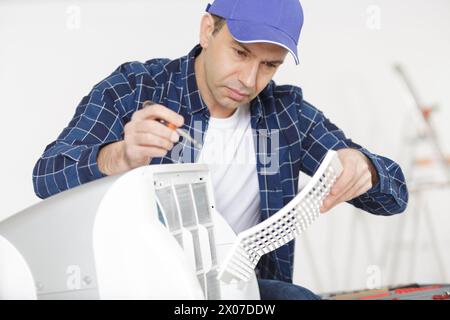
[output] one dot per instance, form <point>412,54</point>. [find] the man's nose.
<point>249,74</point>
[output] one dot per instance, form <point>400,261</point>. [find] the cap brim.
<point>250,32</point>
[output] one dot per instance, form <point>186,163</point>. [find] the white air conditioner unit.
<point>151,233</point>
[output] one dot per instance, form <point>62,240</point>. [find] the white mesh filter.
<point>283,226</point>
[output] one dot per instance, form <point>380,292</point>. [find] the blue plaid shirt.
<point>304,136</point>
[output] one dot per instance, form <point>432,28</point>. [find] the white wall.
<point>50,57</point>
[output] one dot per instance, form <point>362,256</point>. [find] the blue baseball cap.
<point>272,21</point>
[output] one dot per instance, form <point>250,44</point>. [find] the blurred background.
<point>53,52</point>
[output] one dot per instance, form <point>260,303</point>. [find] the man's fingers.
<point>158,112</point>
<point>357,189</point>
<point>364,184</point>
<point>362,177</point>
<point>146,137</point>
<point>343,190</point>
<point>348,179</point>
<point>355,179</point>
<point>157,128</point>
<point>347,175</point>
<point>354,190</point>
<point>344,183</point>
<point>148,152</point>
<point>151,140</point>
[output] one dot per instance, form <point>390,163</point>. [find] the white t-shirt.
<point>229,151</point>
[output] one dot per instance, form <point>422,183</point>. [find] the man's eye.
<point>241,53</point>
<point>270,65</point>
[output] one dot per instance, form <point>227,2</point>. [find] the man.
<point>224,85</point>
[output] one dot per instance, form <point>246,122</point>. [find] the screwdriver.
<point>180,131</point>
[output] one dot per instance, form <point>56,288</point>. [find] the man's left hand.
<point>357,177</point>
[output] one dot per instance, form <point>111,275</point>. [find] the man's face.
<point>235,73</point>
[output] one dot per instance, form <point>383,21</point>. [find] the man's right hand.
<point>145,137</point>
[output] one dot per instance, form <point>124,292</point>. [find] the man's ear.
<point>206,30</point>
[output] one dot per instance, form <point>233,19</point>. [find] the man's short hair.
<point>218,23</point>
